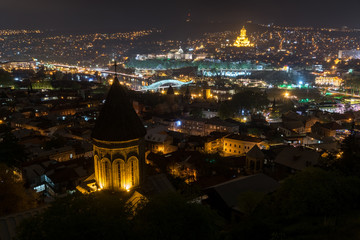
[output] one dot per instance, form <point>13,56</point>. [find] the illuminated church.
<point>242,40</point>
<point>118,143</point>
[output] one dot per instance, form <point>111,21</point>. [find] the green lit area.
<point>163,64</point>
<point>212,161</point>
<point>293,86</point>
<point>305,100</point>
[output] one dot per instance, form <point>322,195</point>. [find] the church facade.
<point>118,165</point>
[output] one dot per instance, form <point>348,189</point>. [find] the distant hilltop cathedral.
<point>242,40</point>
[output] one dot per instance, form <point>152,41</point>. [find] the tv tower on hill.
<point>188,16</point>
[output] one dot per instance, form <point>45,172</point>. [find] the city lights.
<point>154,120</point>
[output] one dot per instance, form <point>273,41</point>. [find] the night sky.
<point>109,14</point>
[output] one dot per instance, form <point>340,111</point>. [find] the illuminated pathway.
<point>84,69</point>
<point>123,74</point>
<point>345,94</point>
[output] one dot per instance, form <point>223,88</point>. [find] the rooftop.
<point>230,191</point>
<point>297,158</point>
<point>244,138</point>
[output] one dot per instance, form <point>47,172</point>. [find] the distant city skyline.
<point>115,15</point>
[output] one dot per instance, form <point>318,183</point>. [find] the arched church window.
<point>133,171</point>
<point>119,174</point>
<point>97,168</point>
<point>106,173</point>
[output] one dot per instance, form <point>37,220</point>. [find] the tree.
<point>286,105</point>
<point>312,204</point>
<point>13,195</point>
<point>58,76</point>
<point>11,152</point>
<point>349,162</point>
<point>5,78</point>
<point>315,192</point>
<point>41,74</point>
<point>250,101</point>
<point>226,110</point>
<point>44,84</point>
<point>197,112</point>
<point>106,215</point>
<point>103,215</point>
<point>169,217</point>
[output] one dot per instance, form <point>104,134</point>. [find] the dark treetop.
<point>118,120</point>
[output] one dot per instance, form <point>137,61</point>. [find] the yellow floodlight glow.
<point>242,40</point>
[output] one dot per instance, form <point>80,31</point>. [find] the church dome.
<point>118,120</point>
<point>170,91</point>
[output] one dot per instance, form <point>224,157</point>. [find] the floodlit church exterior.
<point>118,143</point>
<point>242,40</point>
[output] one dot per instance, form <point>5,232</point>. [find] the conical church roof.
<point>187,90</point>
<point>118,120</point>
<point>170,91</point>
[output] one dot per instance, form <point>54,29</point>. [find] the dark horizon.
<point>81,15</point>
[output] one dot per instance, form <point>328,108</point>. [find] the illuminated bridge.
<point>165,84</point>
